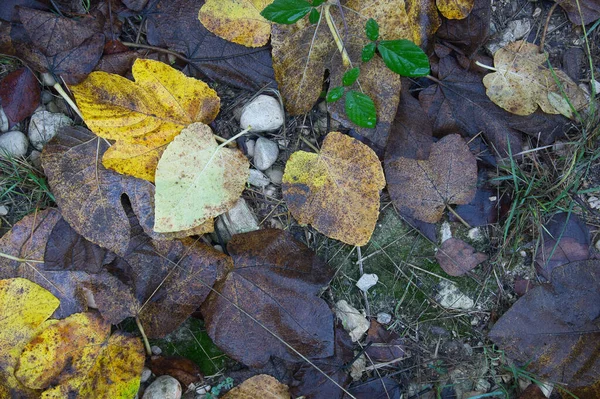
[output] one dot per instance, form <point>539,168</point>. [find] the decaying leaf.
<point>426,187</point>
<point>76,357</point>
<point>197,180</point>
<point>24,307</point>
<point>470,33</point>
<point>523,81</point>
<point>143,116</point>
<point>275,280</point>
<point>455,9</point>
<point>336,190</point>
<point>378,388</point>
<point>19,95</point>
<point>581,11</point>
<point>457,257</point>
<point>386,346</point>
<point>553,329</point>
<point>259,386</point>
<point>184,370</point>
<point>237,21</point>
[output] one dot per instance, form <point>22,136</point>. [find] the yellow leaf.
<point>337,190</point>
<point>24,307</point>
<point>196,180</point>
<point>523,81</point>
<point>455,9</point>
<point>145,115</point>
<point>260,386</point>
<point>238,21</point>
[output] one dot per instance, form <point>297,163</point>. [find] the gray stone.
<point>514,31</point>
<point>3,121</point>
<point>44,125</point>
<point>13,144</point>
<point>3,210</point>
<point>36,159</point>
<point>156,350</point>
<point>265,153</point>
<point>450,297</point>
<point>366,281</point>
<point>275,174</point>
<point>47,96</point>
<point>384,318</point>
<point>263,114</point>
<point>164,387</point>
<point>239,219</point>
<point>146,374</point>
<point>250,147</point>
<point>258,178</point>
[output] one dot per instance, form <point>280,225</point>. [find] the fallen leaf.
<point>455,9</point>
<point>27,240</point>
<point>470,33</point>
<point>180,368</point>
<point>385,346</point>
<point>24,307</point>
<point>275,280</point>
<point>10,13</point>
<point>336,190</point>
<point>76,357</point>
<point>237,21</point>
<point>553,329</point>
<point>522,81</point>
<point>19,95</point>
<point>135,5</point>
<point>481,210</point>
<point>145,115</point>
<point>197,180</point>
<point>260,386</point>
<point>210,56</point>
<point>378,388</point>
<point>353,321</point>
<point>426,187</point>
<point>457,257</point>
<point>589,10</point>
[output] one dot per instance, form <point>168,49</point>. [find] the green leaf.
<point>350,76</point>
<point>317,3</point>
<point>372,29</point>
<point>314,16</point>
<point>404,57</point>
<point>368,52</point>
<point>335,94</point>
<point>361,109</point>
<point>286,11</point>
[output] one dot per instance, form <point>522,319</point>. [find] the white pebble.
<point>265,153</point>
<point>3,210</point>
<point>384,318</point>
<point>164,387</point>
<point>366,281</point>
<point>250,147</point>
<point>146,374</point>
<point>275,174</point>
<point>263,114</point>
<point>3,121</point>
<point>44,125</point>
<point>156,350</point>
<point>13,144</point>
<point>258,178</point>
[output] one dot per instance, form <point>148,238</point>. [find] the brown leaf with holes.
<point>425,187</point>
<point>457,257</point>
<point>275,279</point>
<point>19,95</point>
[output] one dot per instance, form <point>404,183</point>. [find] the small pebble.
<point>258,178</point>
<point>271,191</point>
<point>218,248</point>
<point>263,114</point>
<point>164,387</point>
<point>366,281</point>
<point>384,318</point>
<point>204,389</point>
<point>156,350</point>
<point>3,210</point>
<point>250,147</point>
<point>275,174</point>
<point>598,245</point>
<point>44,125</point>
<point>3,121</point>
<point>36,158</point>
<point>13,144</point>
<point>265,153</point>
<point>146,374</point>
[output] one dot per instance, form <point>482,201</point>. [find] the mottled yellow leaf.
<point>455,9</point>
<point>260,386</point>
<point>337,190</point>
<point>196,180</point>
<point>24,307</point>
<point>523,81</point>
<point>238,21</point>
<point>145,115</point>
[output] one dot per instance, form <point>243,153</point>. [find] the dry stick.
<point>543,39</point>
<point>360,267</point>
<point>159,49</point>
<point>144,337</point>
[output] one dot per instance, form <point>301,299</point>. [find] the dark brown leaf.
<point>10,13</point>
<point>590,10</point>
<point>481,210</point>
<point>470,33</point>
<point>457,257</point>
<point>423,188</point>
<point>276,280</point>
<point>27,240</point>
<point>532,392</point>
<point>379,388</point>
<point>211,57</point>
<point>386,346</point>
<point>184,370</point>
<point>19,95</point>
<point>135,5</point>
<point>554,328</point>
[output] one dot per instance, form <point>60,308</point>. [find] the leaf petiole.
<point>486,66</point>
<point>336,36</point>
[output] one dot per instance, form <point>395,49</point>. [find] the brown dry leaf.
<point>523,81</point>
<point>19,95</point>
<point>455,9</point>
<point>426,187</point>
<point>184,370</point>
<point>89,195</point>
<point>386,346</point>
<point>336,190</point>
<point>275,280</point>
<point>457,257</point>
<point>143,116</point>
<point>590,10</point>
<point>303,51</point>
<point>260,386</point>
<point>470,33</point>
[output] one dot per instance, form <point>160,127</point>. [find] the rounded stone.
<point>164,387</point>
<point>265,153</point>
<point>13,144</point>
<point>44,125</point>
<point>263,114</point>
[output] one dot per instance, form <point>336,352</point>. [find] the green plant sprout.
<point>400,56</point>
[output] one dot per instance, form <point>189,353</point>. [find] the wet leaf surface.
<point>19,95</point>
<point>337,190</point>
<point>457,257</point>
<point>425,187</point>
<point>276,280</point>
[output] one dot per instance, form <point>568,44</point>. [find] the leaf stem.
<point>66,97</point>
<point>158,49</point>
<point>144,337</point>
<point>460,219</point>
<point>486,66</point>
<point>336,36</point>
<point>308,143</point>
<point>7,256</point>
<point>240,134</point>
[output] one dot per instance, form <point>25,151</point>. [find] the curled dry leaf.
<point>457,257</point>
<point>425,187</point>
<point>24,307</point>
<point>275,280</point>
<point>143,116</point>
<point>260,386</point>
<point>336,190</point>
<point>237,21</point>
<point>19,95</point>
<point>455,9</point>
<point>523,81</point>
<point>197,180</point>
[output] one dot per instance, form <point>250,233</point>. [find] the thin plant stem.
<point>159,49</point>
<point>336,36</point>
<point>460,219</point>
<point>7,256</point>
<point>66,97</point>
<point>144,337</point>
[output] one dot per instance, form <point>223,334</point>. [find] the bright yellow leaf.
<point>24,308</point>
<point>238,21</point>
<point>337,190</point>
<point>145,115</point>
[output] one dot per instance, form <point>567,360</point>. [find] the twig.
<point>144,337</point>
<point>159,49</point>
<point>360,267</point>
<point>543,39</point>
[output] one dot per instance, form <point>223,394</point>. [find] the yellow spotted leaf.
<point>145,115</point>
<point>238,21</point>
<point>24,308</point>
<point>455,9</point>
<point>337,190</point>
<point>197,179</point>
<point>260,386</point>
<point>523,81</point>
